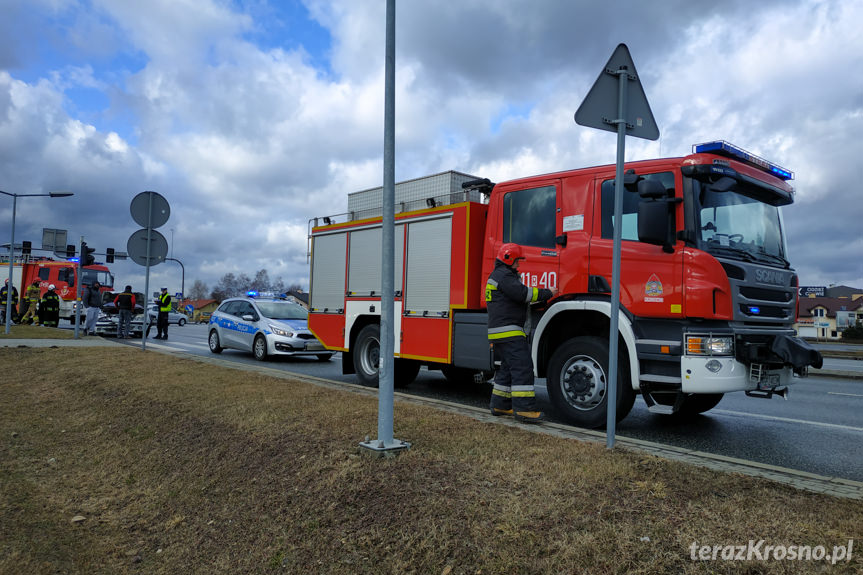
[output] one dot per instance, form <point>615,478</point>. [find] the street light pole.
<point>183,276</point>
<point>12,246</point>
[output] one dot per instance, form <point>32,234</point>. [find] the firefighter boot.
<point>500,411</point>
<point>529,416</point>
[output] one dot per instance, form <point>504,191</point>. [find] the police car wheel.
<point>213,342</point>
<point>259,348</point>
<point>181,322</point>
<point>578,379</point>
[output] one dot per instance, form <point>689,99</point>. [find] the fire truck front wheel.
<point>578,382</point>
<point>367,354</point>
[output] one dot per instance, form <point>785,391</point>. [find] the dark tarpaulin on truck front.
<point>796,352</point>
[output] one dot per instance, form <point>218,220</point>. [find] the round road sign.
<point>137,247</point>
<point>150,209</point>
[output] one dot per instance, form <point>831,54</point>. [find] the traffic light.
<point>109,255</point>
<point>25,248</point>
<point>70,250</point>
<point>87,258</point>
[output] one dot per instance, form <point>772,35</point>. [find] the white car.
<point>265,327</point>
<point>180,319</point>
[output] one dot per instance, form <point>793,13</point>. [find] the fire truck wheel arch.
<point>570,308</point>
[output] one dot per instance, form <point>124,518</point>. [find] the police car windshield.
<point>281,310</point>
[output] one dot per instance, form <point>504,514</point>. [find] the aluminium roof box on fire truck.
<point>443,188</point>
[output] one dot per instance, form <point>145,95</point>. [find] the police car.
<point>266,326</point>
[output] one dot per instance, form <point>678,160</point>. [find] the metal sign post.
<point>386,382</point>
<point>78,302</point>
<point>147,247</point>
<point>608,106</point>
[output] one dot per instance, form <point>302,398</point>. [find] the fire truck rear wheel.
<point>578,382</point>
<point>367,355</point>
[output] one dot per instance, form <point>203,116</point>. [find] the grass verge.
<point>119,461</point>
<point>35,332</point>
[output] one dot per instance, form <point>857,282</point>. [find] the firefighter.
<point>508,302</point>
<point>32,297</point>
<point>4,297</point>
<point>49,308</point>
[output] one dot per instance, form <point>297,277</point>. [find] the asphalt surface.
<point>813,440</point>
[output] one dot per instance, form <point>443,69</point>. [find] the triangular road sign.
<point>599,108</point>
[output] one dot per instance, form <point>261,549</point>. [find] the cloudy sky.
<point>252,116</point>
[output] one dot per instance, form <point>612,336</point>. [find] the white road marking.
<point>847,394</point>
<point>787,420</point>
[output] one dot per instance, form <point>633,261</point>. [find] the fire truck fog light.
<point>713,365</point>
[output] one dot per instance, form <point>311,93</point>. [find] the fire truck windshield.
<point>105,278</point>
<point>732,224</point>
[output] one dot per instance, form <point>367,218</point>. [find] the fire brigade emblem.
<point>653,289</point>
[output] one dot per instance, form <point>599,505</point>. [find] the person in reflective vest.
<point>164,303</point>
<point>49,308</point>
<point>508,302</point>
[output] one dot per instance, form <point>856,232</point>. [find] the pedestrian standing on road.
<point>164,303</point>
<point>49,308</point>
<point>93,303</point>
<point>125,303</point>
<point>508,302</point>
<point>4,297</point>
<point>32,295</point>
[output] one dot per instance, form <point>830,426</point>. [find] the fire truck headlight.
<point>709,345</point>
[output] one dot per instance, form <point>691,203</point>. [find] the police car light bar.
<point>723,148</point>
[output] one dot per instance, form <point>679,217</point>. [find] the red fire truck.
<point>708,297</point>
<point>64,276</point>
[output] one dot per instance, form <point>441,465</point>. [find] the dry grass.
<point>180,467</point>
<point>35,332</point>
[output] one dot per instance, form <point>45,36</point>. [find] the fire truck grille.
<point>762,294</point>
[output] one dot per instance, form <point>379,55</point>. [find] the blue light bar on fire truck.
<point>723,148</point>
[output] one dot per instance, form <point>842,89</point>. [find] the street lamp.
<point>183,280</point>
<point>12,245</point>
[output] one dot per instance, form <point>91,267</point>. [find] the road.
<point>819,429</point>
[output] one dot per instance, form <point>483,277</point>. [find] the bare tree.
<point>199,290</point>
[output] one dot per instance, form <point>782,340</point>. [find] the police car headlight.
<point>279,331</point>
<point>707,345</point>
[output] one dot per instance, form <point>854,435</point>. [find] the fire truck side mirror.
<point>656,223</point>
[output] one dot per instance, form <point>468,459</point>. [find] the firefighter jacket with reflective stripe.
<point>32,293</point>
<point>165,302</point>
<point>4,295</point>
<point>508,300</point>
<point>50,302</point>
